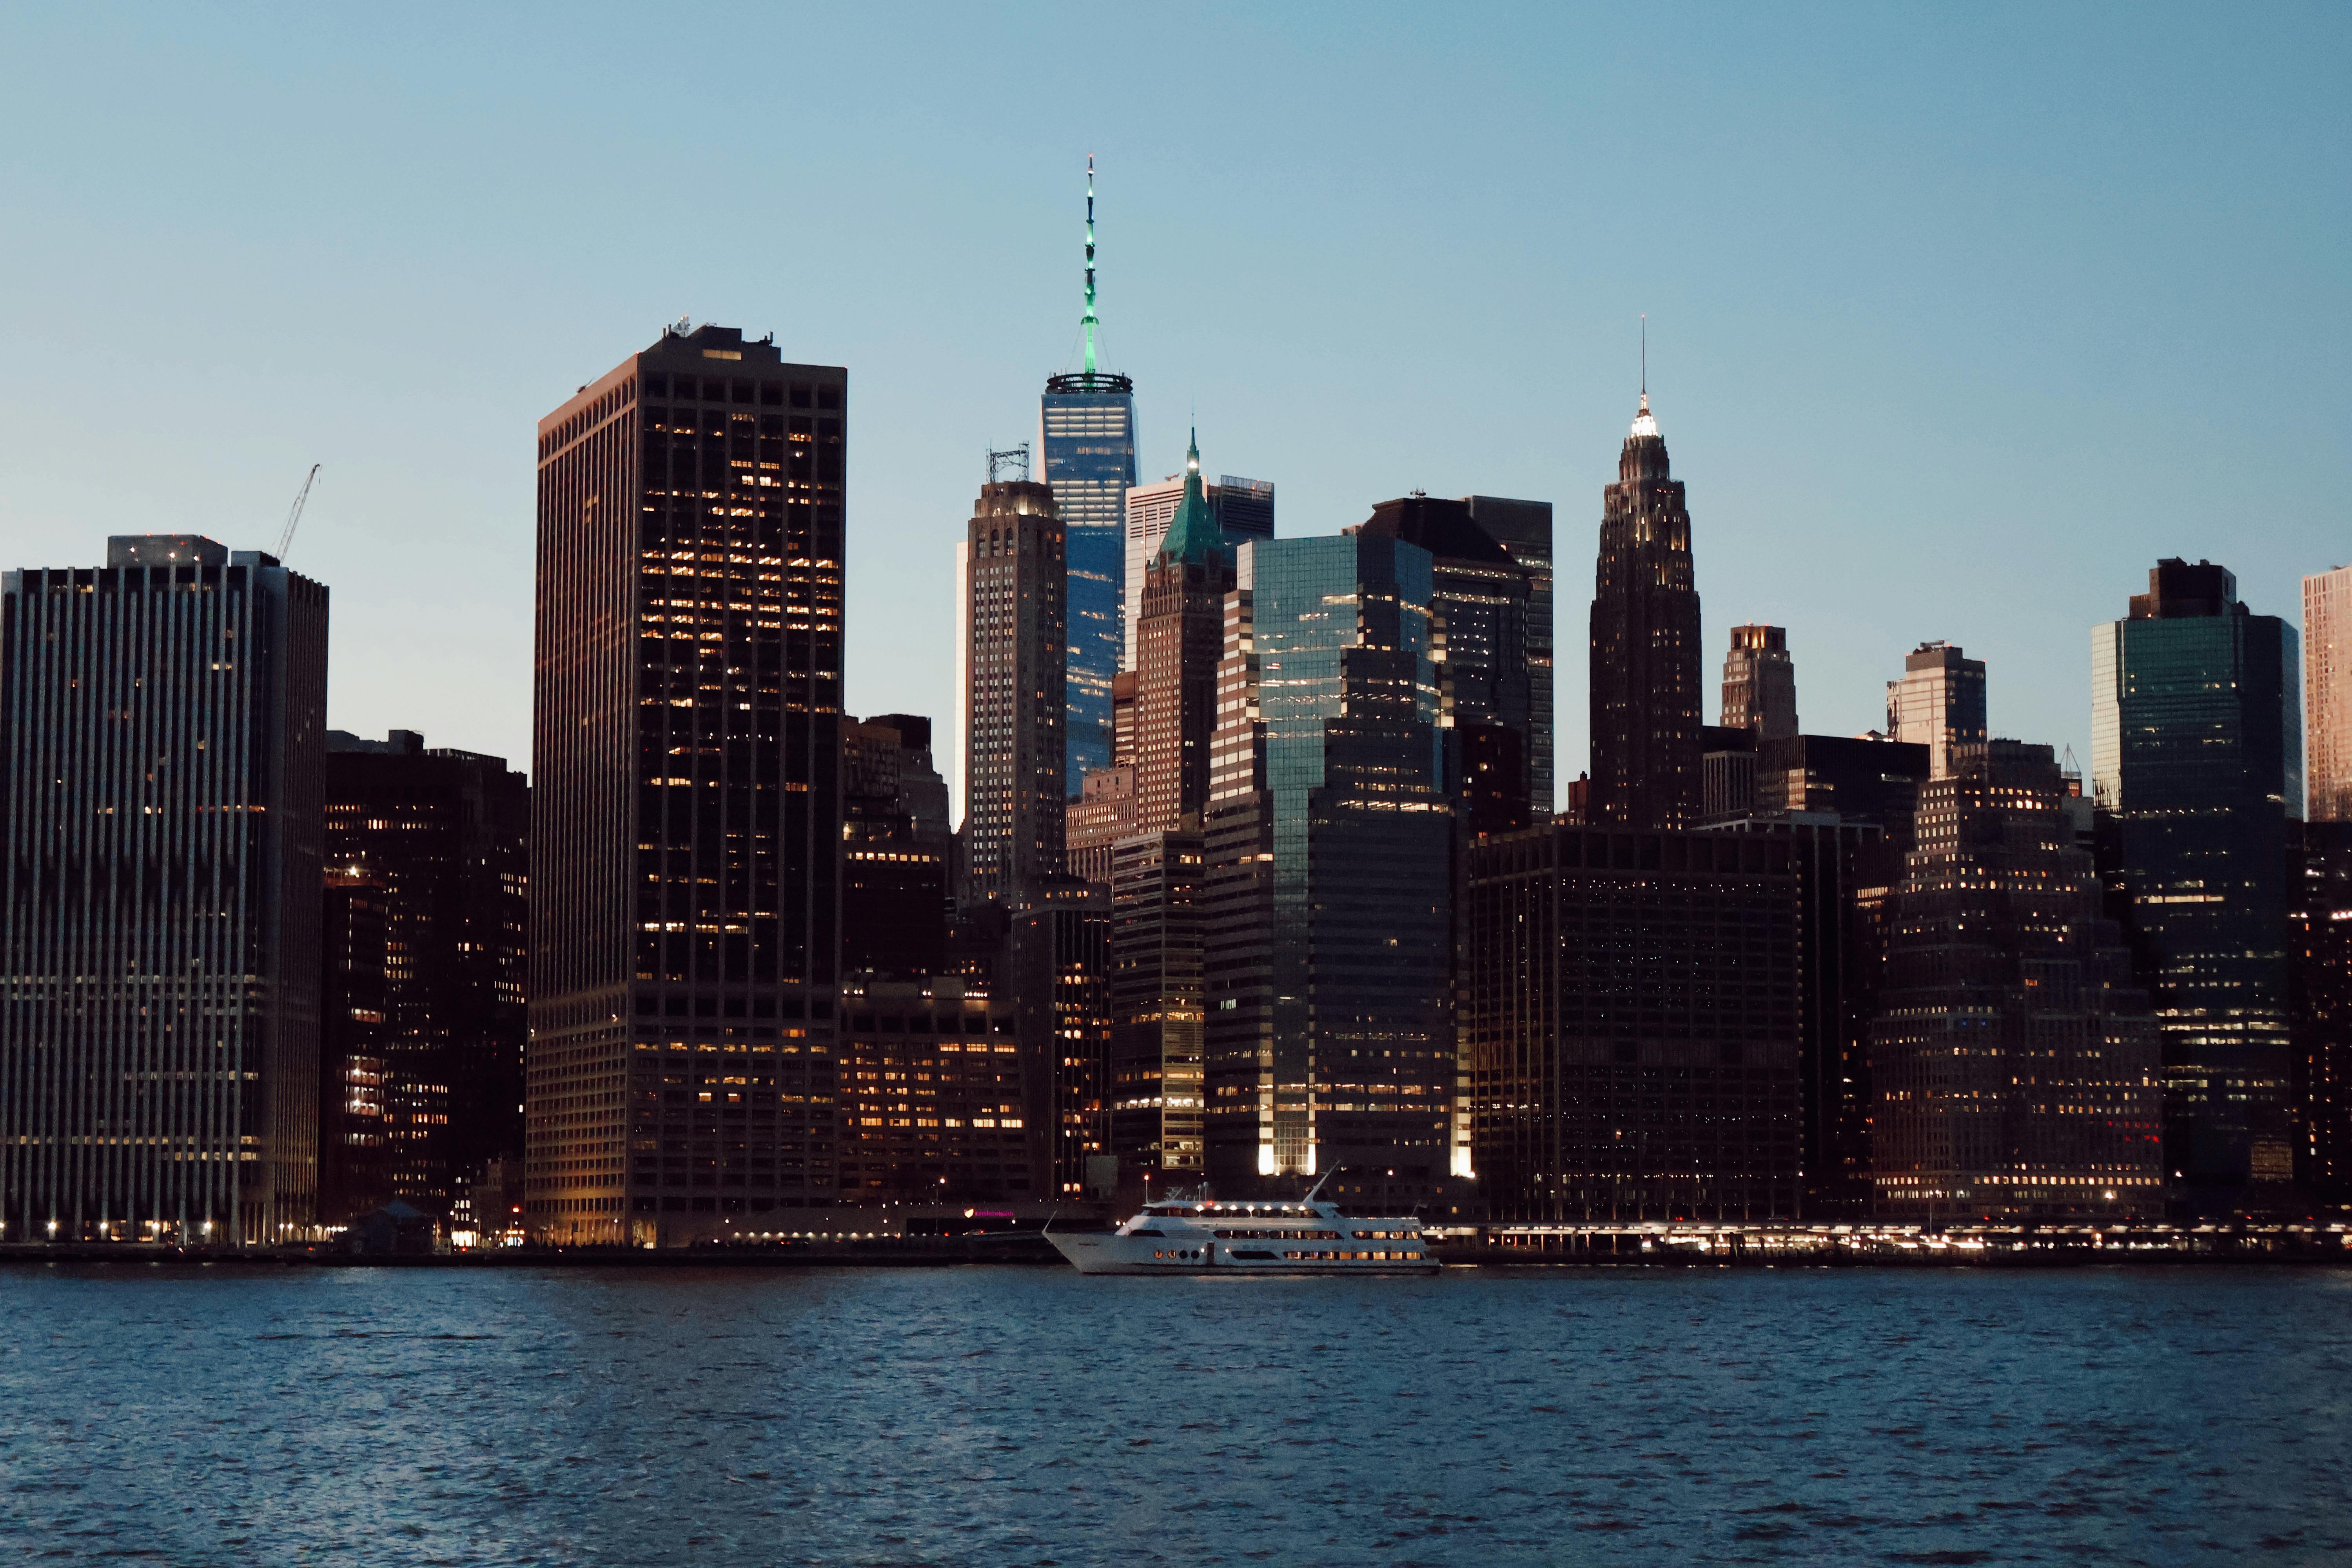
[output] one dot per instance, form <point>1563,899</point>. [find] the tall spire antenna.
<point>1645,332</point>
<point>1089,319</point>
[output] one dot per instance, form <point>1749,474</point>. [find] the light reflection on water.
<point>1030,1415</point>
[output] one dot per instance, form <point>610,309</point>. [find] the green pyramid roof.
<point>1192,533</point>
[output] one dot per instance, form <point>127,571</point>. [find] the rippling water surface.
<point>1027,1415</point>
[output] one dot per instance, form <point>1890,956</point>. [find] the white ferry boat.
<point>1205,1236</point>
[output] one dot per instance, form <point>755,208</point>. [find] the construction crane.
<point>285,538</point>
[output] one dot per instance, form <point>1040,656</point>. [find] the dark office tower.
<point>1844,871</point>
<point>1177,643</point>
<point>1760,683</point>
<point>355,1139</point>
<point>443,834</point>
<point>1646,654</point>
<point>2320,929</point>
<point>2197,764</point>
<point>938,1102</point>
<point>1156,1004</point>
<point>1330,968</point>
<point>895,850</point>
<point>1851,777</point>
<point>161,723</point>
<point>1632,1024</point>
<point>2013,1062</point>
<point>1087,432</point>
<point>1940,703</point>
<point>1056,967</point>
<point>1478,640</point>
<point>685,843</point>
<point>1523,528</point>
<point>1012,570</point>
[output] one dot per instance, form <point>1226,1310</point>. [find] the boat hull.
<point>1101,1252</point>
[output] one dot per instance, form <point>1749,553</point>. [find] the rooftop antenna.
<point>1646,353</point>
<point>286,540</point>
<point>1011,457</point>
<point>1090,321</point>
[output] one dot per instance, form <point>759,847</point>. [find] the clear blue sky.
<point>1958,317</point>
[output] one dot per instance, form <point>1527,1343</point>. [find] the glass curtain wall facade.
<point>1331,1009</point>
<point>163,730</point>
<point>1086,433</point>
<point>686,844</point>
<point>2197,768</point>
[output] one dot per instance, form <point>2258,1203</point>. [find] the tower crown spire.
<point>1090,321</point>
<point>1644,425</point>
<point>1193,534</point>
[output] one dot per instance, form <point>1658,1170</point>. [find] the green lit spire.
<point>1090,321</point>
<point>1192,533</point>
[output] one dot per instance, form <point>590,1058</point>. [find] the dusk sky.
<point>1957,319</point>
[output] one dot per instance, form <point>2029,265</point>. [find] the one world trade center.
<point>1086,433</point>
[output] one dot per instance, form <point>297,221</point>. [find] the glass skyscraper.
<point>1087,435</point>
<point>1329,1015</point>
<point>1085,431</point>
<point>2197,763</point>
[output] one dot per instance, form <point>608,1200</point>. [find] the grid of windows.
<point>686,844</point>
<point>1631,1024</point>
<point>1086,436</point>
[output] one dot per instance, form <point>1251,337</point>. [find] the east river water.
<point>1029,1416</point>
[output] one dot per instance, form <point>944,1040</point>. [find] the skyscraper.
<point>1329,1035</point>
<point>1156,1004</point>
<point>1760,683</point>
<point>1179,639</point>
<point>1011,572</point>
<point>1523,528</point>
<point>443,836</point>
<point>2327,693</point>
<point>2197,767</point>
<point>2320,935</point>
<point>354,1123</point>
<point>1086,433</point>
<point>686,844</point>
<point>162,724</point>
<point>897,851</point>
<point>1645,652</point>
<point>1631,1024</point>
<point>939,1099</point>
<point>1940,703</point>
<point>1478,608</point>
<point>1243,509</point>
<point>2013,1062</point>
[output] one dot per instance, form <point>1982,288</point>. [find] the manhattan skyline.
<point>1948,341</point>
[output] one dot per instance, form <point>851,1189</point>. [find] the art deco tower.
<point>1179,639</point>
<point>1013,571</point>
<point>1645,652</point>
